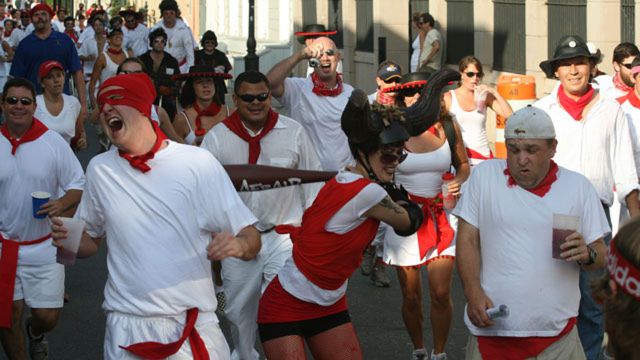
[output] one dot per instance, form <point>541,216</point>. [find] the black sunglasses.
<point>14,100</point>
<point>249,98</point>
<point>628,66</point>
<point>392,157</point>
<point>471,74</point>
<point>393,80</point>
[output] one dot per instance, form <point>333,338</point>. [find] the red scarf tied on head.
<point>575,107</point>
<point>234,123</point>
<point>212,110</point>
<point>320,88</point>
<point>36,130</point>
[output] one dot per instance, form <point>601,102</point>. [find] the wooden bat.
<point>261,177</point>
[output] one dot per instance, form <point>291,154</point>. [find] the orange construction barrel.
<point>519,91</point>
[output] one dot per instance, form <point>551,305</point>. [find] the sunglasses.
<point>329,52</point>
<point>14,100</point>
<point>471,74</point>
<point>391,157</point>
<point>393,80</point>
<point>249,98</point>
<point>159,41</point>
<point>628,66</point>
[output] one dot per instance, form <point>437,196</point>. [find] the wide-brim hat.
<point>201,71</point>
<point>568,47</point>
<point>408,81</point>
<point>313,30</point>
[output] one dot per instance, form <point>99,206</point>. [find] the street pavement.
<point>375,311</point>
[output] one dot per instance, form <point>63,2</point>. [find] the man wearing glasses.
<point>136,35</point>
<point>620,83</point>
<point>32,158</point>
<point>594,140</point>
<point>316,101</point>
<point>255,134</point>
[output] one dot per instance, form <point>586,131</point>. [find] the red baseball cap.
<point>47,66</point>
<point>41,6</point>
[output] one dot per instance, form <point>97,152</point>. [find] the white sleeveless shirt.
<point>473,128</point>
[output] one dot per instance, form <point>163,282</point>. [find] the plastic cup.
<point>39,198</point>
<point>66,254</point>
<point>480,99</point>
<point>563,226</point>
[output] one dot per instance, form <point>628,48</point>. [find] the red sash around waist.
<point>435,229</point>
<point>156,350</point>
<point>472,154</point>
<point>8,267</point>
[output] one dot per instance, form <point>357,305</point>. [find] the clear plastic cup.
<point>480,99</point>
<point>66,254</point>
<point>563,226</point>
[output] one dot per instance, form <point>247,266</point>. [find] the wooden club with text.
<point>261,177</point>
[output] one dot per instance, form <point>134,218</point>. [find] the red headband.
<point>39,7</point>
<point>135,90</point>
<point>624,273</point>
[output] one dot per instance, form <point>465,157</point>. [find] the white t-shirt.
<point>179,43</point>
<point>286,146</point>
<point>65,123</point>
<point>320,116</point>
<point>158,225</point>
<point>86,34</point>
<point>432,36</point>
<point>415,54</point>
<point>89,47</point>
<point>515,228</point>
<point>607,88</point>
<point>598,146</point>
<point>45,164</point>
<point>137,39</point>
<point>632,114</point>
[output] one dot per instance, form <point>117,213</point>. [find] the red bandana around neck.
<point>545,185</point>
<point>632,97</point>
<point>140,162</point>
<point>384,98</point>
<point>234,124</point>
<point>320,88</point>
<point>575,107</point>
<point>212,110</point>
<point>7,33</point>
<point>619,84</point>
<point>72,35</point>
<point>115,51</point>
<point>35,131</point>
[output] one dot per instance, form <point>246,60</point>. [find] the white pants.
<point>244,282</point>
<point>125,330</point>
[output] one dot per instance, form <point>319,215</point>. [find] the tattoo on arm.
<point>389,204</point>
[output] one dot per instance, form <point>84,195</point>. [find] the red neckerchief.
<point>320,88</point>
<point>72,34</point>
<point>632,97</point>
<point>517,348</point>
<point>545,185</point>
<point>384,99</point>
<point>114,51</point>
<point>140,162</point>
<point>620,85</point>
<point>212,110</point>
<point>575,107</point>
<point>156,350</point>
<point>35,131</point>
<point>234,124</point>
<point>8,33</point>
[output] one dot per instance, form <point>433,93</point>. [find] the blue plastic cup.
<point>39,198</point>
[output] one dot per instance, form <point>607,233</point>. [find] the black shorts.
<point>304,328</point>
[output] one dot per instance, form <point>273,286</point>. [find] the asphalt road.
<point>375,312</point>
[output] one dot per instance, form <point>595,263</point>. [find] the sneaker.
<point>222,302</point>
<point>441,356</point>
<point>368,261</point>
<point>38,346</point>
<point>379,276</point>
<point>419,354</point>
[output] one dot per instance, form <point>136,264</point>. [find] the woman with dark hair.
<point>619,291</point>
<point>202,105</point>
<point>431,153</point>
<point>468,105</point>
<point>210,55</point>
<point>108,61</point>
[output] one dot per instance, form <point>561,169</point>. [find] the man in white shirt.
<point>504,246</point>
<point>136,35</point>
<point>316,101</point>
<point>620,83</point>
<point>430,59</point>
<point>180,39</point>
<point>166,210</point>
<point>32,158</point>
<point>593,140</point>
<point>255,134</point>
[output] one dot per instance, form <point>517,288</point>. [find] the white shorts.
<point>125,330</point>
<point>40,286</point>
<point>405,250</point>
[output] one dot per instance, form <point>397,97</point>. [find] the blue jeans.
<point>590,318</point>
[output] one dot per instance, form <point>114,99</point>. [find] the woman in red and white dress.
<point>202,106</point>
<point>468,106</point>
<point>431,153</point>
